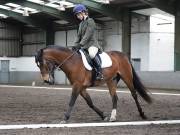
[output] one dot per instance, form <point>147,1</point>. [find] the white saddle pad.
<point>106,60</point>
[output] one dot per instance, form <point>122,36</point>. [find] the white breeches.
<point>92,51</point>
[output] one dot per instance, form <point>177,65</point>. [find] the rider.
<point>86,37</point>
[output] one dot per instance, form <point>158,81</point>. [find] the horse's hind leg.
<point>129,82</point>
<point>134,94</point>
<point>87,97</point>
<point>112,85</point>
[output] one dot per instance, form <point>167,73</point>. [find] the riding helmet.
<point>79,8</point>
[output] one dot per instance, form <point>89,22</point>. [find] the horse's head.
<point>46,67</point>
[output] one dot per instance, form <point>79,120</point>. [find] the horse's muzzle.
<point>48,78</point>
<point>49,82</point>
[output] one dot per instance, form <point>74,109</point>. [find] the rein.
<point>59,66</point>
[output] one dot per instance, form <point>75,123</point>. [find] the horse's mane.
<point>60,48</point>
<point>39,53</point>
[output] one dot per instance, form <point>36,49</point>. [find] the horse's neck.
<point>63,55</point>
<point>63,60</point>
<point>68,61</point>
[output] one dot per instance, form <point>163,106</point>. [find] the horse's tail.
<point>140,87</point>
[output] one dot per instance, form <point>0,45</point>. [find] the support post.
<point>50,36</point>
<point>126,32</point>
<point>177,40</point>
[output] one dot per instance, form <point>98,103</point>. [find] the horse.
<point>70,62</point>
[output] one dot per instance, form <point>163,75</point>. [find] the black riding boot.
<point>97,66</point>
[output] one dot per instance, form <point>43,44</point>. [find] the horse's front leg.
<point>74,95</point>
<point>88,100</point>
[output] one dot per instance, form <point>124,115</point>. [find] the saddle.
<point>104,57</point>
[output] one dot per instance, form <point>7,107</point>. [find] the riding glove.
<point>76,48</point>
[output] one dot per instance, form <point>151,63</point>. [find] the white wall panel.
<point>21,63</point>
<point>161,43</point>
<point>161,52</point>
<point>140,49</point>
<point>113,42</point>
<point>159,23</point>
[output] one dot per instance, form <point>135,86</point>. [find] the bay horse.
<point>70,62</point>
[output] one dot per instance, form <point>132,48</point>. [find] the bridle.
<point>52,65</point>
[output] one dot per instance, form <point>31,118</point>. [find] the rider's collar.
<point>85,18</point>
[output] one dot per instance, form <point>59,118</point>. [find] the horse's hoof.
<point>63,122</point>
<point>112,119</point>
<point>106,118</point>
<point>143,117</point>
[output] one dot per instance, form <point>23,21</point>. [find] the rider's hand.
<point>76,48</point>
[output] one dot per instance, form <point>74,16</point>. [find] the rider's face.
<point>80,16</point>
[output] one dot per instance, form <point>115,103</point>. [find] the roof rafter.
<point>161,4</point>
<point>43,8</point>
<point>23,19</point>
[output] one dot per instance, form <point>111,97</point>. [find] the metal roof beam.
<point>164,5</point>
<point>43,8</point>
<point>105,9</point>
<point>23,19</point>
